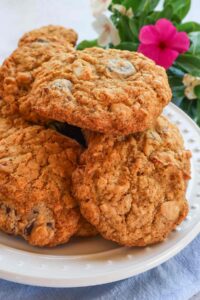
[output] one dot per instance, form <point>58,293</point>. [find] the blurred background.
<point>18,16</point>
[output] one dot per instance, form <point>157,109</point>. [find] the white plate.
<point>85,262</point>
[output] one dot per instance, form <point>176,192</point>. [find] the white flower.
<point>122,9</point>
<point>99,6</point>
<point>190,82</point>
<point>107,31</point>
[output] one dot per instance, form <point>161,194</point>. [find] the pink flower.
<point>162,42</point>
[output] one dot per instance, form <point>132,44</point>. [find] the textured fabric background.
<point>177,279</point>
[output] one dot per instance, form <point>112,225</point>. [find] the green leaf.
<point>178,94</point>
<point>194,114</point>
<point>142,19</point>
<point>134,4</point>
<point>116,1</point>
<point>128,46</point>
<point>124,29</point>
<point>195,39</point>
<point>175,82</point>
<point>87,44</point>
<point>166,13</point>
<point>189,107</point>
<point>175,77</point>
<point>198,112</point>
<point>153,4</point>
<point>189,27</point>
<point>148,6</point>
<point>173,71</point>
<point>197,91</point>
<point>180,7</point>
<point>177,98</point>
<point>134,27</point>
<point>139,6</point>
<point>115,17</point>
<point>189,63</point>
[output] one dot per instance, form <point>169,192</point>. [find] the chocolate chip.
<point>8,209</point>
<point>41,41</point>
<point>50,225</point>
<point>28,229</point>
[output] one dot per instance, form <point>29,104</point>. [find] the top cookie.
<point>132,188</point>
<point>110,91</point>
<point>50,33</point>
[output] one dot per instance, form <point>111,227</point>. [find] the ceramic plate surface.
<point>85,262</point>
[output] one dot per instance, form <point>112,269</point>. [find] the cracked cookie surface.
<point>132,188</point>
<point>35,181</point>
<point>110,91</point>
<point>18,73</point>
<point>50,33</point>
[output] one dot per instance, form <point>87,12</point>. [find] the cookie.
<point>85,229</point>
<point>110,91</point>
<point>50,33</point>
<point>35,181</point>
<point>18,72</point>
<point>132,188</point>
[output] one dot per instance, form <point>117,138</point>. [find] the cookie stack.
<point>127,181</point>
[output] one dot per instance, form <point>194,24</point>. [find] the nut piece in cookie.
<point>109,91</point>
<point>35,181</point>
<point>132,188</point>
<point>19,71</point>
<point>50,33</point>
<point>121,67</point>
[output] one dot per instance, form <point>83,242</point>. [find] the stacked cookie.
<point>128,179</point>
<point>36,163</point>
